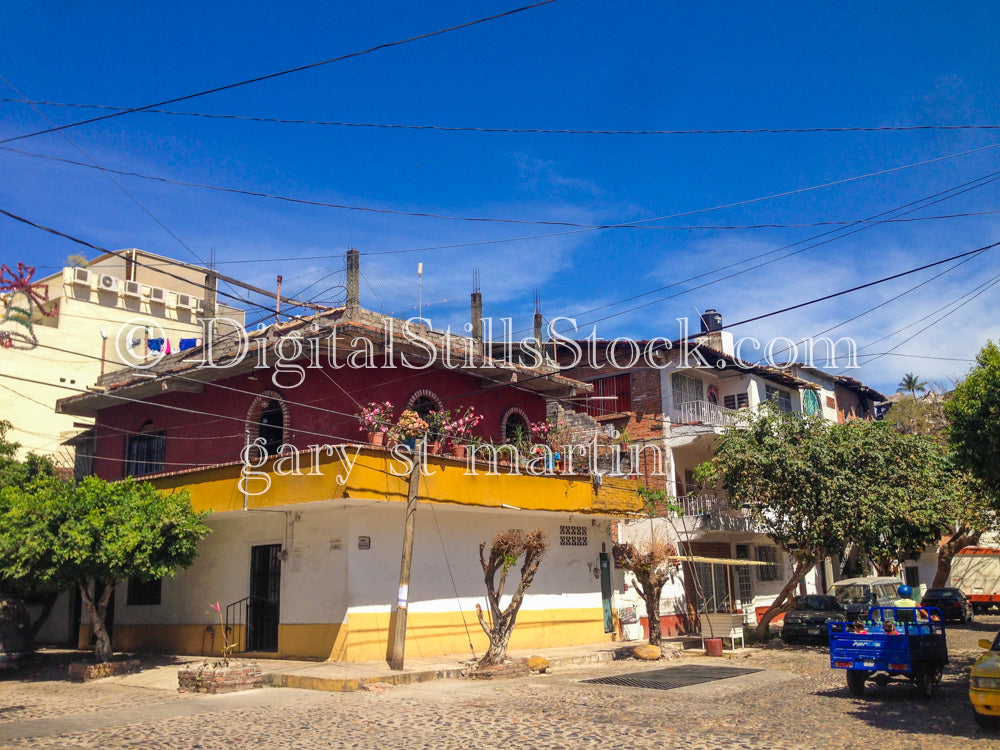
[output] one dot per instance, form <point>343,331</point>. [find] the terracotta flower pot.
<point>376,438</point>
<point>434,448</point>
<point>458,450</point>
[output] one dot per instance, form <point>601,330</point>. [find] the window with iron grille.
<point>736,401</point>
<point>782,399</point>
<point>771,571</point>
<point>618,386</point>
<point>572,536</point>
<point>145,453</point>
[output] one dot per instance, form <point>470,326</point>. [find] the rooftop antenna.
<point>420,291</point>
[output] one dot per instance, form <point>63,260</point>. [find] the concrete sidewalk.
<point>349,676</point>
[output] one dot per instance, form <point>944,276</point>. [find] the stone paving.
<point>798,702</point>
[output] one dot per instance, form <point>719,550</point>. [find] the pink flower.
<point>217,607</point>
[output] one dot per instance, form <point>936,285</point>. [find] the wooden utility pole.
<point>397,620</point>
<point>277,304</point>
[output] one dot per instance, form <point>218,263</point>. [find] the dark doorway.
<point>263,608</point>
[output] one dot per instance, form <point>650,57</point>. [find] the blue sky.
<point>571,64</point>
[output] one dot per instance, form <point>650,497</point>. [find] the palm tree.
<point>911,383</point>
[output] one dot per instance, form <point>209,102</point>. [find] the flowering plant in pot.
<point>375,419</point>
<point>458,430</point>
<point>436,421</point>
<point>409,426</point>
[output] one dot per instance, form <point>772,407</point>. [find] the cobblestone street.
<point>797,702</point>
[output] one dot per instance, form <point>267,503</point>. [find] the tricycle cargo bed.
<point>895,642</point>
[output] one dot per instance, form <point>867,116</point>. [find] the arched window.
<point>271,427</point>
<point>424,403</point>
<point>267,418</point>
<point>515,427</point>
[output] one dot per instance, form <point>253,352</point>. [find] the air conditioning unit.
<point>80,276</point>
<point>187,302</point>
<point>108,283</point>
<point>132,289</point>
<point>157,295</point>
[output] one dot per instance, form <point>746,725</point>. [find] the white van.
<point>858,595</point>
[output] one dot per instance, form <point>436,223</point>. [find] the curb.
<point>350,684</point>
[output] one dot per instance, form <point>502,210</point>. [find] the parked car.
<point>15,633</point>
<point>954,605</point>
<point>984,684</point>
<point>858,595</point>
<point>808,618</point>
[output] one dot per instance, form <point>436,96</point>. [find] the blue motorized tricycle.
<point>895,643</point>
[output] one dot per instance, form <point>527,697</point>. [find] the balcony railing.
<point>709,513</point>
<point>704,412</point>
<point>705,505</point>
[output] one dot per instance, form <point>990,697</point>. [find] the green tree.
<point>94,535</point>
<point>968,509</point>
<point>14,473</point>
<point>970,512</point>
<point>780,468</point>
<point>911,383</point>
<point>897,485</point>
<point>973,413</point>
<point>20,473</point>
<point>920,417</point>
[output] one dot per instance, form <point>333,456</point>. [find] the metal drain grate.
<point>672,677</point>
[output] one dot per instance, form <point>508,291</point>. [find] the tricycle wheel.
<point>856,681</point>
<point>926,683</point>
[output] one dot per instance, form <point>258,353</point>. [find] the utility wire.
<point>269,76</point>
<point>553,131</point>
<point>884,303</point>
<point>861,226</point>
<point>636,224</point>
<point>109,176</point>
<point>968,297</point>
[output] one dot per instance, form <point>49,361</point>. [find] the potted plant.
<point>457,432</point>
<point>436,422</point>
<point>408,428</point>
<point>375,419</point>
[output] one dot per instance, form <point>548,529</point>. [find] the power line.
<point>971,295</point>
<point>110,178</point>
<point>637,224</point>
<point>885,302</point>
<point>269,76</point>
<point>499,385</point>
<point>543,131</point>
<point>873,221</point>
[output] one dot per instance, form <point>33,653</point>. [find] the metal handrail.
<point>236,616</point>
<point>704,412</point>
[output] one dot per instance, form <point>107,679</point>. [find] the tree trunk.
<point>651,596</point>
<point>97,608</point>
<point>499,638</point>
<point>783,600</point>
<point>963,538</point>
<point>47,604</point>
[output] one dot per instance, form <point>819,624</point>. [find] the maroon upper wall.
<point>218,435</point>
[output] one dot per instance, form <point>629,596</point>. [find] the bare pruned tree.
<point>505,550</point>
<point>650,561</point>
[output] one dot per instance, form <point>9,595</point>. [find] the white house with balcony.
<point>680,408</point>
